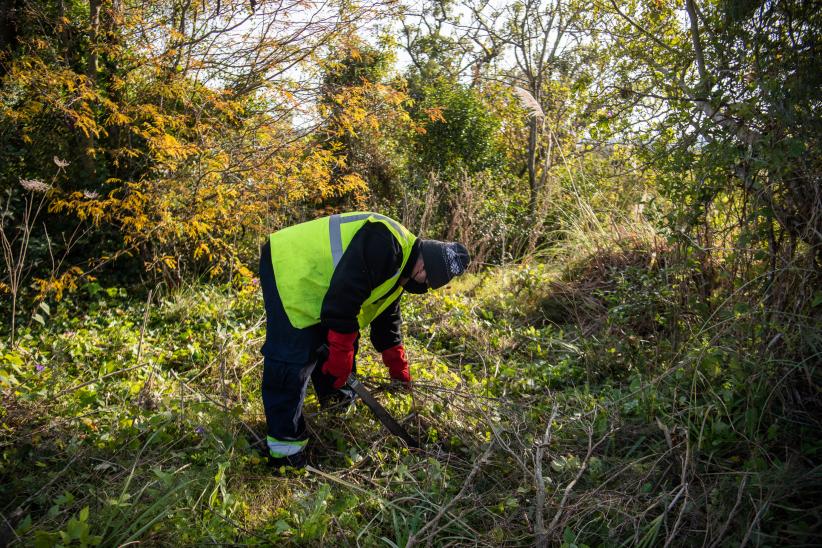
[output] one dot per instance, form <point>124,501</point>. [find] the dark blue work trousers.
<point>290,359</point>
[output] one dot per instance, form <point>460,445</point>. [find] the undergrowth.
<point>611,401</point>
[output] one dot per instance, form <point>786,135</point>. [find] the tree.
<point>741,93</point>
<point>184,124</point>
<point>458,130</point>
<point>560,73</point>
<point>364,106</point>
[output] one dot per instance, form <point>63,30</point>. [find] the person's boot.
<point>296,461</point>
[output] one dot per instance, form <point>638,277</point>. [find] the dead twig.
<point>10,527</point>
<point>672,535</point>
<point>415,538</point>
<point>683,490</point>
<point>739,494</point>
<point>754,522</point>
<point>146,389</point>
<point>98,379</point>
<point>259,440</point>
<point>584,466</point>
<point>539,526</point>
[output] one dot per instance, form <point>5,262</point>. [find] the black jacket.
<point>373,256</point>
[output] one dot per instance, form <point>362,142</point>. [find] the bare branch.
<point>539,526</point>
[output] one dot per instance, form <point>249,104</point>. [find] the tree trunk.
<point>87,141</point>
<point>533,187</point>
<point>9,16</point>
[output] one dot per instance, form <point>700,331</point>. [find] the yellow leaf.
<point>201,250</point>
<point>435,114</point>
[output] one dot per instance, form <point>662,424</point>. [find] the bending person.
<point>323,281</point>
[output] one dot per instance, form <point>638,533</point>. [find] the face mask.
<point>415,287</point>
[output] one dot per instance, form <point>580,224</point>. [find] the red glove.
<point>397,363</point>
<point>340,356</point>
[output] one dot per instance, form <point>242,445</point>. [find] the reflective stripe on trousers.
<point>284,448</point>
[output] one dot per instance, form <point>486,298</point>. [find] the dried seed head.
<point>62,164</point>
<point>529,103</point>
<point>34,185</point>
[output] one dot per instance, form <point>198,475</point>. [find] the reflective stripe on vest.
<point>335,230</point>
<point>305,256</point>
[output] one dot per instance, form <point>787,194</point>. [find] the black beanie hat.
<point>443,261</point>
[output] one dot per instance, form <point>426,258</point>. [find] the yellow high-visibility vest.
<point>304,258</point>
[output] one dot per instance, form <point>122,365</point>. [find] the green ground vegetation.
<point>601,403</point>
<point>632,360</point>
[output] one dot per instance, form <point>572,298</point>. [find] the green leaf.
<point>45,308</point>
<point>166,477</point>
<point>44,539</point>
<point>65,498</point>
<point>39,319</point>
<point>24,525</point>
<point>84,514</point>
<point>75,528</point>
<point>13,359</point>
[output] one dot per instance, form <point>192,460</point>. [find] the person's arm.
<point>386,329</point>
<point>372,256</point>
<point>386,336</point>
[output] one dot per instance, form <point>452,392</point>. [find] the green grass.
<point>130,420</point>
